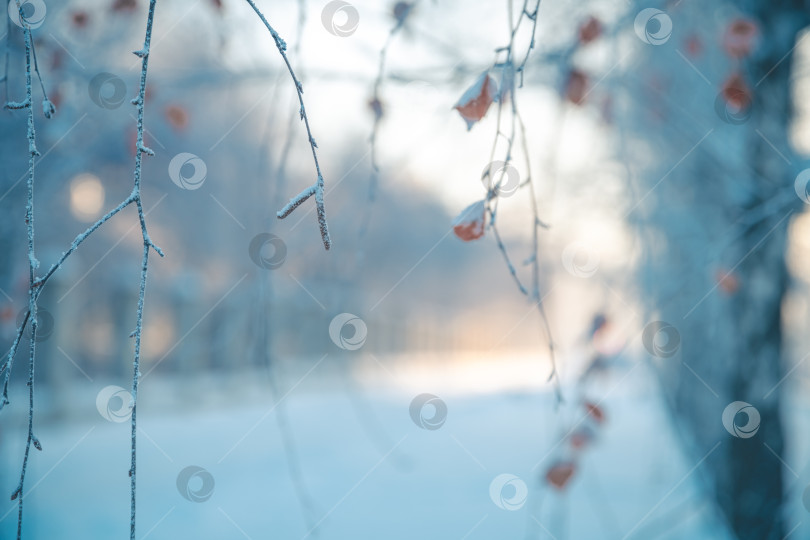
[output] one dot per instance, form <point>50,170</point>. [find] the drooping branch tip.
<point>296,201</point>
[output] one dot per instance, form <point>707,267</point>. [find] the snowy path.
<point>400,483</point>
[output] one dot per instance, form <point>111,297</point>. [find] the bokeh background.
<point>668,155</point>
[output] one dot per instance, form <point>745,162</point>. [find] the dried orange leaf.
<point>693,45</point>
<point>595,411</point>
<point>590,30</point>
<point>469,225</point>
<point>581,438</point>
<point>577,87</point>
<point>560,473</point>
<point>727,281</point>
<point>177,117</point>
<point>740,38</point>
<point>736,92</point>
<point>475,102</point>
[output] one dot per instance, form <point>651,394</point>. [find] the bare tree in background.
<point>701,106</point>
<point>710,109</point>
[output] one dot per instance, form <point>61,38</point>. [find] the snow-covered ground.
<point>368,469</point>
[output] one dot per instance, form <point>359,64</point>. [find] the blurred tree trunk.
<point>719,203</point>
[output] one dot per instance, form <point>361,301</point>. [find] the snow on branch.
<point>317,188</point>
<point>37,283</point>
<point>296,201</point>
<point>143,54</point>
<point>33,264</point>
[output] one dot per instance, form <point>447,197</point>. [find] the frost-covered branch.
<point>32,262</point>
<point>48,108</point>
<point>297,201</point>
<point>36,284</point>
<point>39,284</point>
<point>317,188</point>
<point>284,156</point>
<point>141,149</point>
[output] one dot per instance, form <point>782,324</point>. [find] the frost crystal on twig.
<point>141,149</point>
<point>317,188</point>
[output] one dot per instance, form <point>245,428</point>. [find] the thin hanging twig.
<point>263,317</point>
<point>517,128</point>
<point>376,105</point>
<point>316,188</point>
